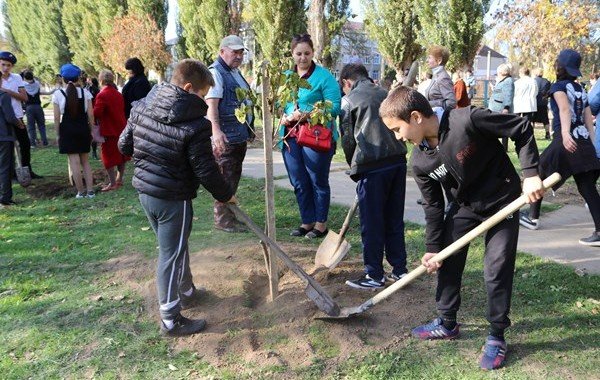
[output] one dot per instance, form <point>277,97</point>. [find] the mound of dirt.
<point>244,327</point>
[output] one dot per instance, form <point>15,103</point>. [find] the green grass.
<point>52,325</point>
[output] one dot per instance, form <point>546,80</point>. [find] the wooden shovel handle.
<point>347,221</point>
<point>458,244</point>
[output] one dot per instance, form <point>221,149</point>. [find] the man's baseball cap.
<point>233,42</point>
<point>571,61</point>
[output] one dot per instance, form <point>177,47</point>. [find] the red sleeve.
<point>99,106</point>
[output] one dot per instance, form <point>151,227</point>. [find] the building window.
<point>368,60</point>
<point>376,59</point>
<point>345,59</point>
<point>375,75</point>
<point>336,74</point>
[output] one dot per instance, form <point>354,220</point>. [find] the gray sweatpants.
<point>172,224</point>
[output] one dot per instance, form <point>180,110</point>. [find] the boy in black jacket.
<point>460,148</point>
<point>168,136</point>
<point>378,164</point>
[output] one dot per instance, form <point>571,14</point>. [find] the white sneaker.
<point>79,196</point>
<point>90,194</point>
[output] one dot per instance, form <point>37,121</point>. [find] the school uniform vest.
<point>235,131</point>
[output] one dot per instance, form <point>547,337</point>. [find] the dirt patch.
<point>58,186</point>
<point>245,330</point>
<point>49,187</point>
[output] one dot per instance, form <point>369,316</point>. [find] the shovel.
<point>23,173</point>
<point>504,213</point>
<point>334,247</point>
<point>313,290</point>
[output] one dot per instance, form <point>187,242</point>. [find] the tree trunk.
<point>317,27</point>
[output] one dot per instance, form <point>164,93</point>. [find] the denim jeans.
<point>308,171</point>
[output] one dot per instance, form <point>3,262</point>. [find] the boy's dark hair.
<point>403,100</point>
<point>302,38</point>
<point>134,64</point>
<point>354,72</point>
<point>28,75</point>
<point>194,72</point>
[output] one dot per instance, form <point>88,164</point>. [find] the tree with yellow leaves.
<point>538,30</point>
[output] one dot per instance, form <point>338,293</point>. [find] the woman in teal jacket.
<point>308,169</point>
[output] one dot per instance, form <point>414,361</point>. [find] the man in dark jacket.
<point>460,148</point>
<point>168,137</point>
<point>8,121</point>
<point>541,116</point>
<point>378,163</point>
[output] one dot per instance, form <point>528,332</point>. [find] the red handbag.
<point>315,136</point>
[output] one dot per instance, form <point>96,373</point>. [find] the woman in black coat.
<point>137,87</point>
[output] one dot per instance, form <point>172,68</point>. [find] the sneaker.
<point>79,196</point>
<point>183,326</point>
<point>194,299</point>
<point>90,194</point>
<point>393,277</point>
<point>366,282</point>
<point>435,330</point>
<point>592,241</point>
<point>494,353</point>
<point>525,221</point>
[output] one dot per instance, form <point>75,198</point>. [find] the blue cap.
<point>70,72</point>
<point>8,56</point>
<point>570,60</point>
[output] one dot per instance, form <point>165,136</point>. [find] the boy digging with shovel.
<point>460,148</point>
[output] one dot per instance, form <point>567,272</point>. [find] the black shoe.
<point>8,203</point>
<point>316,234</point>
<point>36,176</point>
<point>300,231</point>
<point>194,299</point>
<point>592,241</point>
<point>367,283</point>
<point>183,326</point>
<point>527,222</point>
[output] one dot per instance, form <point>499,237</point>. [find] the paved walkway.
<point>557,239</point>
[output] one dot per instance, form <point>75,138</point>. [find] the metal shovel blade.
<point>313,290</point>
<point>331,251</point>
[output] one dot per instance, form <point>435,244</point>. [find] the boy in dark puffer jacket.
<point>168,137</point>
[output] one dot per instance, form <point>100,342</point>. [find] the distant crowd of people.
<point>185,133</point>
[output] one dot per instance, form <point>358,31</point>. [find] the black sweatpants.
<point>498,267</point>
<point>24,146</point>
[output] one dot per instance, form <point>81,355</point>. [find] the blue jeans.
<point>308,171</point>
<point>381,202</point>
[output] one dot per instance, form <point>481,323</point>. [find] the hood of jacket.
<point>169,104</point>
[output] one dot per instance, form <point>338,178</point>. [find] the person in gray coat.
<point>8,121</point>
<point>503,92</point>
<point>440,92</point>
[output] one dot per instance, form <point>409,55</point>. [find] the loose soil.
<point>245,330</point>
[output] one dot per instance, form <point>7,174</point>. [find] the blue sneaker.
<point>435,330</point>
<point>494,353</point>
